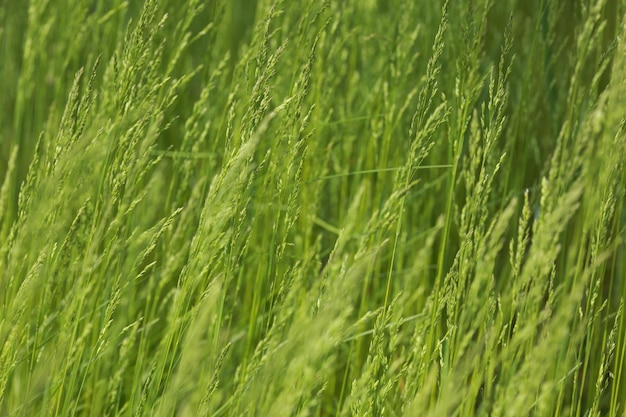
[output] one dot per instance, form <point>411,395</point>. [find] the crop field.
<point>312,208</point>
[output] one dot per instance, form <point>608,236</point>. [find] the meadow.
<point>312,208</point>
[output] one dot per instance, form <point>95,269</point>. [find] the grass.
<point>290,208</point>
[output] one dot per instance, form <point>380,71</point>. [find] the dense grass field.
<point>312,208</point>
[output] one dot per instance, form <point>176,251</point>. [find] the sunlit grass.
<point>280,208</point>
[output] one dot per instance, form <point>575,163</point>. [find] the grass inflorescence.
<point>290,208</point>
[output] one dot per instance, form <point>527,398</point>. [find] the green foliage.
<point>291,208</point>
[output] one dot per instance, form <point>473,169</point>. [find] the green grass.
<point>324,208</point>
